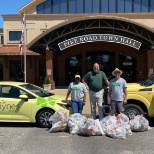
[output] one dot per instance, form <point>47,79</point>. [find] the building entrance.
<point>128,66</point>
<point>107,62</point>
<point>105,59</point>
<point>73,66</point>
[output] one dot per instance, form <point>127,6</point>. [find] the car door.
<point>13,108</point>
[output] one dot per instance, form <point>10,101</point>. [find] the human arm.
<point>109,95</point>
<point>87,87</point>
<point>125,92</point>
<point>67,95</point>
<point>107,82</point>
<point>125,95</point>
<point>84,98</point>
<point>105,79</point>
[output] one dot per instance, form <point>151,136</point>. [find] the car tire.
<point>42,118</point>
<point>131,110</point>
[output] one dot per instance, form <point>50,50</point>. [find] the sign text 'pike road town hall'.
<point>99,37</point>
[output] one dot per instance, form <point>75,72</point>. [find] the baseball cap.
<point>77,76</point>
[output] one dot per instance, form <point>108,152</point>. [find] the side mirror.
<point>23,96</point>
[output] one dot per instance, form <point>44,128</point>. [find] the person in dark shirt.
<point>94,82</point>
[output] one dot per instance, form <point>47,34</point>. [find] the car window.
<point>149,81</point>
<point>36,90</point>
<point>13,92</point>
<point>10,92</point>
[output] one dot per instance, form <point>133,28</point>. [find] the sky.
<point>10,7</point>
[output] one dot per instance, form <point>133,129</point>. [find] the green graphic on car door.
<point>44,102</point>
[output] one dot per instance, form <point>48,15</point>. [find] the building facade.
<point>65,37</point>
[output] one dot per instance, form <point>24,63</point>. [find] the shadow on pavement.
<point>61,87</point>
<point>151,122</point>
<point>17,124</point>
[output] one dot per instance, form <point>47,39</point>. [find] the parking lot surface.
<point>21,138</point>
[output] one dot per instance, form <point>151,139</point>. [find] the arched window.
<point>94,6</point>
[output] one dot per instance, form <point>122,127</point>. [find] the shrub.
<point>47,80</point>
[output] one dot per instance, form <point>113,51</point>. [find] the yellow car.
<point>140,98</point>
<point>24,102</point>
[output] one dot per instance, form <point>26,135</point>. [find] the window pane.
<point>2,39</point>
<point>63,7</point>
<point>112,6</point>
<point>104,7</point>
<point>137,5</point>
<point>72,6</point>
<point>145,5</point>
<point>14,35</point>
<point>42,69</point>
<point>104,58</point>
<point>40,9</point>
<point>120,8</point>
<point>152,6</point>
<point>47,7</point>
<point>88,6</point>
<point>129,71</point>
<point>16,70</point>
<point>73,66</point>
<point>95,6</point>
<point>56,6</point>
<point>128,6</point>
<point>79,4</point>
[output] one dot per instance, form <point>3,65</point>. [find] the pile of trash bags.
<point>113,126</point>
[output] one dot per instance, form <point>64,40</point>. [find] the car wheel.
<point>43,118</point>
<point>131,110</point>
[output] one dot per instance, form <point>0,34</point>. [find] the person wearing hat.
<point>78,94</point>
<point>94,82</point>
<point>117,95</point>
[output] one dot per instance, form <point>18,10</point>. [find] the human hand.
<point>109,100</point>
<point>87,87</point>
<point>125,101</point>
<point>64,101</point>
<point>83,103</point>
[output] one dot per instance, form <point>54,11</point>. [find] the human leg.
<point>120,107</point>
<point>113,107</point>
<point>74,107</point>
<point>92,104</point>
<point>80,107</point>
<point>99,98</point>
<point>102,96</point>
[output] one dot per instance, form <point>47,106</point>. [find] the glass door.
<point>73,66</point>
<point>105,59</point>
<point>128,66</point>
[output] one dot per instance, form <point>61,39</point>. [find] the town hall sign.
<point>99,37</point>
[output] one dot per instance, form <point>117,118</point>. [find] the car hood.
<point>134,86</point>
<point>59,97</point>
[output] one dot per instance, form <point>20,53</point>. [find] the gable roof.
<point>14,50</point>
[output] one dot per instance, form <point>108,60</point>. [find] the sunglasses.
<point>116,72</point>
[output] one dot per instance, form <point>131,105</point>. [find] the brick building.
<point>65,37</point>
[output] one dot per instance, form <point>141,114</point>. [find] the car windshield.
<point>37,90</point>
<point>149,81</point>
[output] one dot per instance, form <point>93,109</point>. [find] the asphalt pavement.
<point>23,138</point>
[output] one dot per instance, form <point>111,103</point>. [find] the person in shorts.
<point>117,95</point>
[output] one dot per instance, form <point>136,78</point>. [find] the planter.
<point>47,87</point>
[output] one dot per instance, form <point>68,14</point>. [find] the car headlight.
<point>63,105</point>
